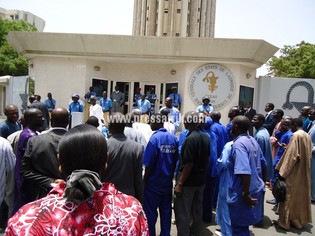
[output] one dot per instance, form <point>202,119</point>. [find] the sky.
<point>279,22</point>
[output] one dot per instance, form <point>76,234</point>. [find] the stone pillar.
<point>151,14</point>
<point>193,19</point>
<point>136,18</point>
<point>203,18</point>
<point>160,18</point>
<point>143,17</point>
<point>212,18</point>
<point>184,18</point>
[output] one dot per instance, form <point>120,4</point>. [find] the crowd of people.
<point>117,173</point>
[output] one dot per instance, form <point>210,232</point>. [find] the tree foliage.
<point>294,62</point>
<point>11,63</point>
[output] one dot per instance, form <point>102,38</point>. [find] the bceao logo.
<point>215,81</point>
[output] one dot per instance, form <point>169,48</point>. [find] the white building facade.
<point>29,17</point>
<point>224,69</point>
<point>175,18</point>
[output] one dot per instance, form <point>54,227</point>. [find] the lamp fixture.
<point>97,68</point>
<point>173,72</point>
<point>248,75</point>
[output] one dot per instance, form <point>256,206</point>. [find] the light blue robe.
<point>312,134</point>
<point>222,213</point>
<point>263,139</point>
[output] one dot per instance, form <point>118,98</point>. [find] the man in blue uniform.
<point>206,108</point>
<point>247,175</point>
<point>176,98</point>
<point>151,96</point>
<point>106,104</point>
<point>74,106</point>
<point>160,159</point>
<point>11,124</point>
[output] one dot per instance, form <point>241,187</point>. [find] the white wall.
<point>65,76</point>
<point>288,94</point>
<point>15,90</point>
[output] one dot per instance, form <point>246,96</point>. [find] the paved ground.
<point>269,228</point>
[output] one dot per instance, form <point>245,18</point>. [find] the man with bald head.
<point>8,127</point>
<point>34,121</point>
<point>40,166</point>
<point>41,106</point>
<point>11,124</point>
<point>174,116</point>
<point>247,175</point>
<point>124,164</point>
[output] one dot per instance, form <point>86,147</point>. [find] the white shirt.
<point>97,111</point>
<point>170,127</point>
<point>7,165</point>
<point>145,129</point>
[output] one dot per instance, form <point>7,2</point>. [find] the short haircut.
<point>191,117</point>
<point>271,105</point>
<point>92,120</point>
<point>242,123</point>
<point>260,117</point>
<point>165,112</point>
<point>279,112</point>
<point>297,122</point>
<point>215,115</point>
<point>158,118</point>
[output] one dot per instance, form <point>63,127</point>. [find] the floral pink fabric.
<point>108,212</point>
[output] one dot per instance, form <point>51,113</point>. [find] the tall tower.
<point>175,18</point>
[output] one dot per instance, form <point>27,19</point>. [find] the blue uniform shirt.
<point>106,104</point>
<point>177,100</point>
<point>7,128</point>
<point>246,159</point>
<point>161,154</point>
<point>203,108</point>
<point>143,105</point>
<point>75,107</point>
<point>50,104</point>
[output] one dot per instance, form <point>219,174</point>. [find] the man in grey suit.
<point>124,163</point>
<point>118,99</point>
<point>40,166</point>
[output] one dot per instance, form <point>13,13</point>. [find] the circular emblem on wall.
<point>212,80</point>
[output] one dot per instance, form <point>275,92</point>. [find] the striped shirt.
<point>7,164</point>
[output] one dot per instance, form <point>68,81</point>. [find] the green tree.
<point>294,62</point>
<point>11,63</point>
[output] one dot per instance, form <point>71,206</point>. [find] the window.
<point>164,34</point>
<point>165,10</point>
<point>178,10</point>
<point>246,94</point>
<point>177,34</point>
<point>99,86</point>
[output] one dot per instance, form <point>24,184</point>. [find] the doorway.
<point>156,88</point>
<point>99,85</point>
<point>124,87</point>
